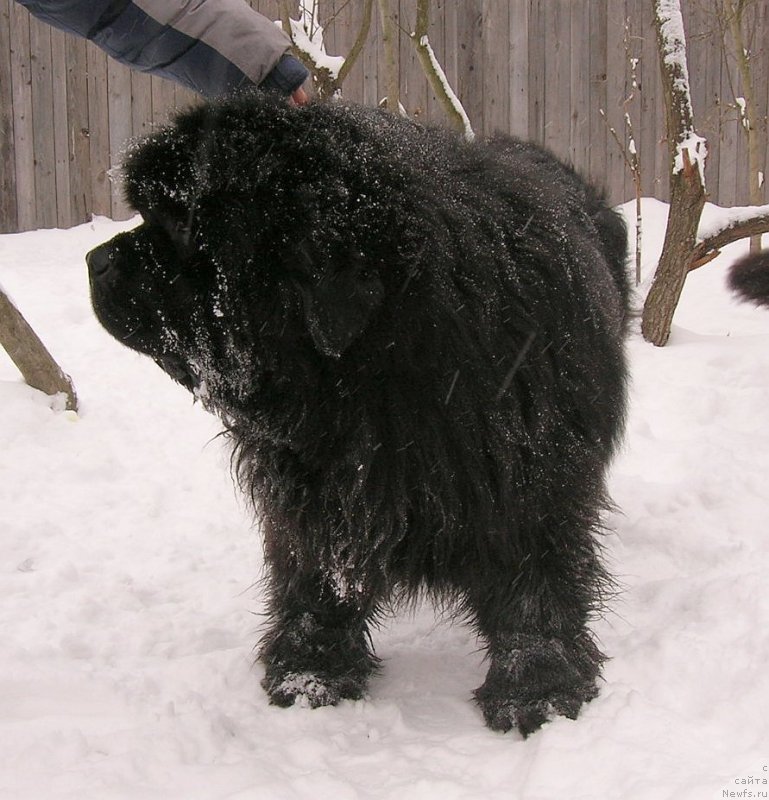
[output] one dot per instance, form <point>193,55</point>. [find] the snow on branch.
<point>689,148</point>
<point>732,225</point>
<point>306,33</point>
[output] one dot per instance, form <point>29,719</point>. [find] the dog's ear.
<point>338,306</point>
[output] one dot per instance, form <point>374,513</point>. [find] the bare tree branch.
<point>710,247</point>
<point>629,150</point>
<point>358,44</point>
<point>435,74</point>
<point>30,356</point>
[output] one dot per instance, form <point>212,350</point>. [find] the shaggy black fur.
<point>416,345</point>
<point>749,278</point>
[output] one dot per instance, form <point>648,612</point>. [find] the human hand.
<point>299,97</point>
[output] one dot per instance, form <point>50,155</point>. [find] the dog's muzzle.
<point>101,261</point>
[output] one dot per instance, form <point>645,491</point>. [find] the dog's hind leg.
<point>543,659</point>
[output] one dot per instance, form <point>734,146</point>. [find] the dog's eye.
<point>181,234</point>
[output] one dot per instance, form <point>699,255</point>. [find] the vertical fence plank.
<point>596,158</point>
<point>59,119</point>
<point>382,62</point>
<point>754,25</point>
<point>619,184</point>
<point>43,129</point>
<point>727,141</point>
<point>78,129</point>
<point>760,50</point>
<point>537,47</point>
<point>24,150</point>
<point>720,121</point>
<point>336,36</point>
<point>9,216</point>
<point>643,108</point>
<point>120,129</point>
<point>98,131</point>
<point>518,22</point>
<point>347,25</point>
<point>557,95</point>
<point>662,166</point>
<point>704,51</point>
<point>470,61</point>
<point>163,101</point>
<point>370,59</point>
<point>741,194</point>
<point>760,73</point>
<point>269,8</point>
<point>579,90</point>
<point>495,21</point>
<point>141,104</point>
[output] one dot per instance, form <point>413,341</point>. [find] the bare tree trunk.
<point>30,356</point>
<point>687,188</point>
<point>390,44</point>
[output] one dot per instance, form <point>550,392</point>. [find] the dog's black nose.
<point>100,260</point>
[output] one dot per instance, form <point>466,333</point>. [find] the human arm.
<point>211,46</point>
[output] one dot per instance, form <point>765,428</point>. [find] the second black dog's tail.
<point>749,278</point>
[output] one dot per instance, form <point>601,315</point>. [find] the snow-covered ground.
<point>128,604</point>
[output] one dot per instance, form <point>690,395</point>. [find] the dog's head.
<point>265,231</point>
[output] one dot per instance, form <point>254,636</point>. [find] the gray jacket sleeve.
<point>211,46</point>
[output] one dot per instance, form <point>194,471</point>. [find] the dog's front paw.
<point>533,679</point>
<point>310,690</point>
<point>504,713</point>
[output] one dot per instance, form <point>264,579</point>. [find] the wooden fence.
<point>540,69</point>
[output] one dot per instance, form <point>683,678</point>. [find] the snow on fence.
<point>541,69</point>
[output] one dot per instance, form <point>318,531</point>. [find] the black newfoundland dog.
<point>748,278</point>
<point>416,347</point>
